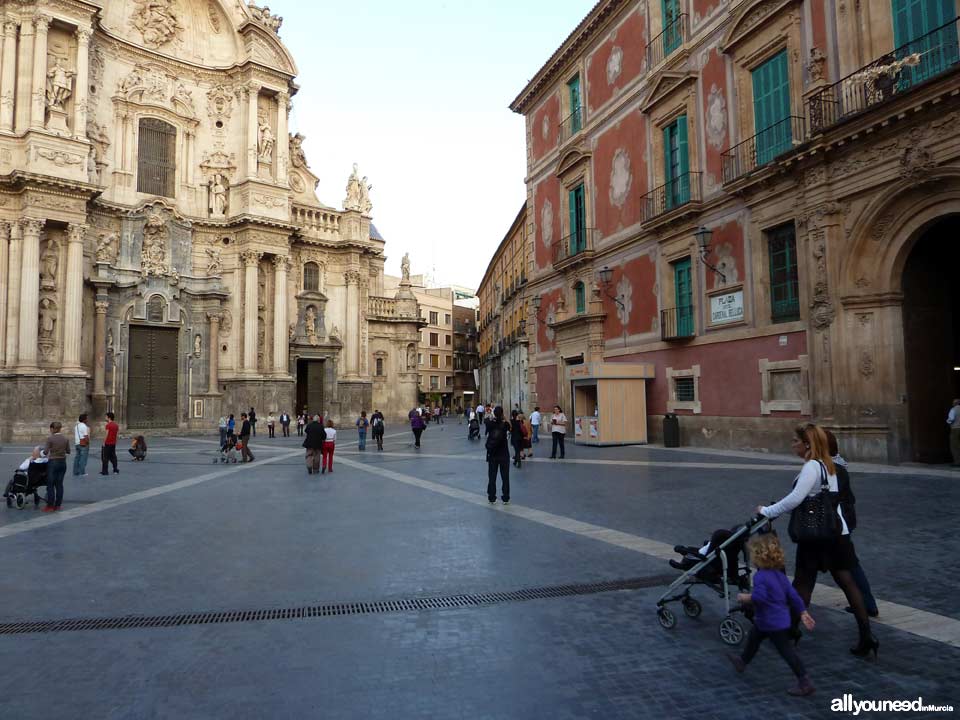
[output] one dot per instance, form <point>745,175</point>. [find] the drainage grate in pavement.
<point>316,611</point>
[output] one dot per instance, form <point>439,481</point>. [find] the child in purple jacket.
<point>773,596</point>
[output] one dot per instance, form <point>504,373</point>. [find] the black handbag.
<point>816,519</point>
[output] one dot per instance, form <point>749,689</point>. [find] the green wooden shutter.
<point>576,119</point>
<point>683,290</point>
<point>914,26</point>
<point>580,297</point>
<point>578,230</point>
<point>771,108</point>
<point>682,183</point>
<point>676,160</point>
<point>572,201</point>
<point>672,35</point>
<point>784,279</point>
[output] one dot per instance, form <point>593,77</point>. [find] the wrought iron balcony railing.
<point>680,191</point>
<point>571,125</point>
<point>677,323</point>
<point>887,77</point>
<point>763,148</point>
<point>672,37</point>
<point>579,242</point>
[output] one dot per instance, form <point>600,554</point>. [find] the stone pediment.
<point>264,47</point>
<point>151,85</point>
<point>573,160</point>
<point>666,83</point>
<point>750,18</point>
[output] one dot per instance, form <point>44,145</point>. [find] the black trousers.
<point>501,463</point>
<point>379,438</point>
<point>557,440</point>
<point>417,432</point>
<point>108,455</point>
<point>781,641</point>
<point>270,429</point>
<point>286,429</point>
<point>517,450</point>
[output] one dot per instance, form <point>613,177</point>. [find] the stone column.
<point>101,306</point>
<point>39,98</point>
<point>213,383</point>
<point>82,82</point>
<point>4,284</point>
<point>251,264</point>
<point>29,294</point>
<point>280,331</point>
<point>8,75</point>
<point>283,138</point>
<point>73,299</point>
<point>13,296</point>
<point>24,77</point>
<point>352,338</point>
<point>253,94</point>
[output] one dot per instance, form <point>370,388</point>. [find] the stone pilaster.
<point>8,76</point>
<point>101,306</point>
<point>280,331</point>
<point>4,282</point>
<point>253,94</point>
<point>29,294</point>
<point>13,296</point>
<point>82,83</point>
<point>73,299</point>
<point>283,139</point>
<point>39,87</point>
<point>352,338</point>
<point>251,265</point>
<point>24,77</point>
<point>213,382</point>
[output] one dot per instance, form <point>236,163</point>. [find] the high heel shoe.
<point>865,647</point>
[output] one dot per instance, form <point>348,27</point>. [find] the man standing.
<point>953,420</point>
<point>480,411</point>
<point>535,419</point>
<point>252,417</point>
<point>245,428</point>
<point>313,444</point>
<point>81,440</point>
<point>57,449</point>
<point>285,423</point>
<point>108,453</point>
<point>498,456</point>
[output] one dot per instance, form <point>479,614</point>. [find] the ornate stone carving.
<point>297,157</point>
<point>153,258</point>
<point>822,309</point>
<point>411,357</point>
<point>214,261</point>
<point>250,257</point>
<point>358,197</point>
<point>49,264</point>
<point>297,184</point>
<point>405,268</point>
<point>881,226</point>
<point>272,22</point>
<point>866,365</point>
<point>310,325</point>
<point>546,223</point>
<point>48,319</point>
<point>621,178</point>
<point>108,247</point>
<point>157,21</point>
<point>197,345</point>
<point>917,162</point>
<point>265,141</point>
<point>220,103</point>
<point>817,65</point>
<point>217,187</point>
<point>214,16</point>
<point>269,201</point>
<point>59,84</point>
<point>716,118</point>
<point>59,158</point>
<point>99,141</point>
<point>226,324</point>
<point>95,55</point>
<point>184,98</point>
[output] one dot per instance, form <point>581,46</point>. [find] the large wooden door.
<point>310,386</point>
<point>152,378</point>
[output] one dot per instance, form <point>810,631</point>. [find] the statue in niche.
<point>108,247</point>
<point>109,342</point>
<point>218,194</point>
<point>297,156</point>
<point>59,85</point>
<point>265,141</point>
<point>48,319</point>
<point>405,268</point>
<point>262,293</point>
<point>153,260</point>
<point>49,262</point>
<point>411,357</point>
<point>197,346</point>
<point>310,325</point>
<point>214,262</point>
<point>292,331</point>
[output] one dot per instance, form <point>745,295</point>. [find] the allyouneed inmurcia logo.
<point>855,707</point>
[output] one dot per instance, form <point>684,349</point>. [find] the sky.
<point>416,94</point>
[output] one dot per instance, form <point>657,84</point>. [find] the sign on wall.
<point>726,308</point>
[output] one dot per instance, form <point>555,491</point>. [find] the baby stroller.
<point>473,432</point>
<point>26,483</point>
<point>228,451</point>
<point>721,564</point>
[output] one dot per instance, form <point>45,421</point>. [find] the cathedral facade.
<point>163,254</point>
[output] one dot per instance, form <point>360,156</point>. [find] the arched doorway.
<point>931,324</point>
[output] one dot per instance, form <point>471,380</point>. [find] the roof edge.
<point>517,222</point>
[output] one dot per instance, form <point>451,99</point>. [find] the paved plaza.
<point>207,551</point>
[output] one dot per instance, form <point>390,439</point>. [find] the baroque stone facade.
<point>163,254</point>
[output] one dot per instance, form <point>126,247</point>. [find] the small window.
<point>434,361</point>
<point>784,281</point>
<point>434,339</point>
<point>434,318</point>
<point>447,319</point>
<point>311,277</point>
<point>379,367</point>
<point>447,340</point>
<point>684,389</point>
<point>449,361</point>
<point>156,158</point>
<point>419,358</point>
<point>580,297</point>
<point>434,382</point>
<point>449,381</point>
<point>576,116</point>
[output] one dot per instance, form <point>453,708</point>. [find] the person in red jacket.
<point>108,453</point>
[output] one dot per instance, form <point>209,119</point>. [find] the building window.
<point>311,277</point>
<point>576,116</point>
<point>434,361</point>
<point>379,367</point>
<point>919,27</point>
<point>449,381</point>
<point>434,339</point>
<point>434,382</point>
<point>447,340</point>
<point>676,163</point>
<point>419,358</point>
<point>449,361</point>
<point>434,317</point>
<point>580,297</point>
<point>447,319</point>
<point>578,221</point>
<point>156,158</point>
<point>771,108</point>
<point>672,35</point>
<point>683,295</point>
<point>684,390</point>
<point>784,281</point>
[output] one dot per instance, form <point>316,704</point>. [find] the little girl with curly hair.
<point>773,596</point>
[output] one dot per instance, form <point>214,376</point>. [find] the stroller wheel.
<point>731,631</point>
<point>20,500</point>
<point>666,618</point>
<point>692,607</point>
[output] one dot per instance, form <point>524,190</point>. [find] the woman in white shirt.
<point>329,442</point>
<point>558,428</point>
<point>835,555</point>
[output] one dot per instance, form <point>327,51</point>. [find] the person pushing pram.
<point>228,451</point>
<point>473,427</point>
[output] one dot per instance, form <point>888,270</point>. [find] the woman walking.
<point>57,449</point>
<point>314,445</point>
<point>827,548</point>
<point>498,457</point>
<point>362,424</point>
<point>329,442</point>
<point>417,425</point>
<point>558,428</point>
<point>516,436</point>
<point>377,425</point>
<point>301,423</point>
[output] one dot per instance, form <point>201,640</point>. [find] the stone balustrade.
<point>317,223</point>
<point>382,307</point>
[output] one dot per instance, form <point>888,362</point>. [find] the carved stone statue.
<point>310,325</point>
<point>153,259</point>
<point>48,319</point>
<point>59,85</point>
<point>353,199</point>
<point>197,346</point>
<point>297,156</point>
<point>49,262</point>
<point>184,97</point>
<point>214,262</point>
<point>365,205</point>
<point>157,21</point>
<point>108,247</point>
<point>411,357</point>
<point>109,342</point>
<point>265,141</point>
<point>405,268</point>
<point>218,195</point>
<point>273,22</point>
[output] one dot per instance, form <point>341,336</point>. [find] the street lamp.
<point>606,277</point>
<point>703,236</point>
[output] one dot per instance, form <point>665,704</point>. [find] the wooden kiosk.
<point>609,402</point>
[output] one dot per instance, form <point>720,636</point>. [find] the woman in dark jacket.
<point>498,457</point>
<point>417,424</point>
<point>313,442</point>
<point>516,436</point>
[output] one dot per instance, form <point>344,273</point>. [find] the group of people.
<point>321,438</point>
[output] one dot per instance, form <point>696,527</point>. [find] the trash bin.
<point>671,431</point>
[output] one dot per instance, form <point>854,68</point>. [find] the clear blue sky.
<point>417,94</point>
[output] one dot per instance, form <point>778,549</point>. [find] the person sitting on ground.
<point>138,448</point>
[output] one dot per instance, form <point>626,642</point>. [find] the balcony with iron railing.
<point>571,125</point>
<point>763,148</point>
<point>886,78</point>
<point>672,37</point>
<point>677,323</point>
<point>682,192</point>
<point>576,247</point>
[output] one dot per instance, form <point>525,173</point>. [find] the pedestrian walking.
<point>285,423</point>
<point>953,420</point>
<point>252,417</point>
<point>772,598</point>
<point>313,444</point>
<point>480,411</point>
<point>527,437</point>
<point>329,444</point>
<point>108,453</point>
<point>246,428</point>
<point>362,424</point>
<point>57,449</point>
<point>377,425</point>
<point>498,457</point>
<point>558,429</point>
<point>417,424</point>
<point>301,423</point>
<point>138,448</point>
<point>516,436</point>
<point>535,419</point>
<point>222,426</point>
<point>232,425</point>
<point>271,424</point>
<point>81,443</point>
<point>821,546</point>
